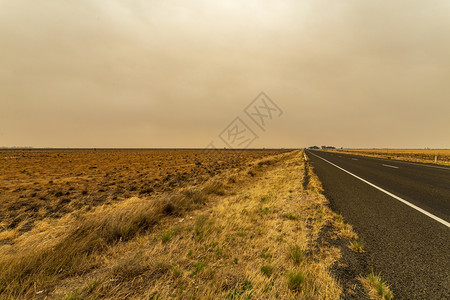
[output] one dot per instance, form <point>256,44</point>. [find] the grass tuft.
<point>356,247</point>
<point>267,270</point>
<point>291,216</point>
<point>377,287</point>
<point>295,281</point>
<point>296,254</point>
<point>215,188</point>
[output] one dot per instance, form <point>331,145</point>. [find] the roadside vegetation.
<point>376,287</point>
<point>356,246</point>
<point>244,233</point>
<point>429,156</point>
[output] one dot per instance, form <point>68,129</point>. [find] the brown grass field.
<point>116,224</point>
<point>38,184</point>
<point>411,155</point>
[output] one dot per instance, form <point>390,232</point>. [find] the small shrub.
<point>295,281</point>
<point>167,236</point>
<point>267,270</point>
<point>296,254</point>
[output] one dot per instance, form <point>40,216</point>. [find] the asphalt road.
<point>409,243</point>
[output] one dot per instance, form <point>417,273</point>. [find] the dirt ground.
<point>38,184</point>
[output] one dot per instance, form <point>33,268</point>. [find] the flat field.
<point>38,184</point>
<point>171,224</point>
<point>412,155</point>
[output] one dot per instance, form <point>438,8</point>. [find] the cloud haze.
<point>172,74</point>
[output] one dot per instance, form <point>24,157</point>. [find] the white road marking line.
<point>417,164</point>
<point>390,166</point>
<point>390,194</point>
<point>407,162</point>
<point>354,158</point>
<point>306,158</point>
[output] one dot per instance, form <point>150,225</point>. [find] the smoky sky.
<point>175,73</point>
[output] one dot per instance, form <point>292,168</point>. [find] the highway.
<point>401,212</point>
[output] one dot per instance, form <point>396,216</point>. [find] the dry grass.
<point>420,155</point>
<point>356,246</point>
<point>40,184</point>
<point>246,234</point>
<point>376,287</point>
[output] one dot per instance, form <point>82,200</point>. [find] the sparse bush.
<point>267,270</point>
<point>296,254</point>
<point>295,281</point>
<point>167,236</point>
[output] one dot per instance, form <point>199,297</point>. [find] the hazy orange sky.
<point>176,73</point>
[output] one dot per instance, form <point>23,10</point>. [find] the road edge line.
<point>442,167</point>
<point>389,193</point>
